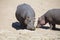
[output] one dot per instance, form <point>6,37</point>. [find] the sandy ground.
<point>7,18</point>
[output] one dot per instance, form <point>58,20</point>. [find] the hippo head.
<point>41,21</point>
<point>30,23</point>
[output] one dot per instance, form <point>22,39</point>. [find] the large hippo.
<point>26,16</point>
<point>51,17</point>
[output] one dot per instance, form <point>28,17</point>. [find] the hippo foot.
<point>52,28</point>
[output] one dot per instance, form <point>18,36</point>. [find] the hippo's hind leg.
<point>23,25</point>
<point>51,23</point>
<point>52,26</point>
<point>21,21</point>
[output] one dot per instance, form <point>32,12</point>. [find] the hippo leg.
<point>52,26</point>
<point>23,26</point>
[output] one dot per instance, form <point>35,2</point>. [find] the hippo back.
<point>54,15</point>
<point>25,10</point>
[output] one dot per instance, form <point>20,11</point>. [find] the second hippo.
<point>51,16</point>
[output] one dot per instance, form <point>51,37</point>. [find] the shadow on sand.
<point>46,27</point>
<point>57,29</point>
<point>17,26</point>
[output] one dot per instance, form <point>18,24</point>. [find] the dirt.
<point>7,19</point>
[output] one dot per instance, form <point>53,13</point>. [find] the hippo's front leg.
<point>52,26</point>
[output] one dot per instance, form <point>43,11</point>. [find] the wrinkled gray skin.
<point>26,16</point>
<point>51,16</point>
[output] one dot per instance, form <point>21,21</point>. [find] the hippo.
<point>51,17</point>
<point>26,16</point>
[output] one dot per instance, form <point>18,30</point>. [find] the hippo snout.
<point>38,26</point>
<point>30,27</point>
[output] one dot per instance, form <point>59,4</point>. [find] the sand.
<point>7,18</point>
